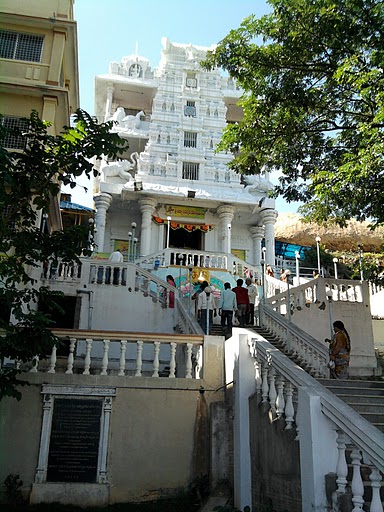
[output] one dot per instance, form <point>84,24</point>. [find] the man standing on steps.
<point>242,301</point>
<point>227,306</point>
<point>252,294</point>
<point>206,301</point>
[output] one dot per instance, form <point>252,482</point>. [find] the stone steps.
<point>365,396</point>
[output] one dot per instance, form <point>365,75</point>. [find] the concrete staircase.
<point>365,396</point>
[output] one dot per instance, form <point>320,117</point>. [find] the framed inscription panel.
<point>74,441</point>
<point>74,434</point>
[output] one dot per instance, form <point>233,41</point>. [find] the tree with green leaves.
<point>29,180</point>
<point>313,104</point>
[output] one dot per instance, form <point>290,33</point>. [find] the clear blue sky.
<point>109,30</point>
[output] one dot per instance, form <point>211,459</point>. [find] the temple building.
<point>172,184</point>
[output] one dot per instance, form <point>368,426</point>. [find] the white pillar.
<point>102,203</point>
<point>226,214</point>
<point>147,207</point>
<point>268,218</point>
<point>257,234</point>
<point>108,103</point>
<point>245,387</point>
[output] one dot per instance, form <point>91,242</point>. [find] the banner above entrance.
<point>182,225</point>
<point>185,211</point>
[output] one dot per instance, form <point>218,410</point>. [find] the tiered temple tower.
<point>171,177</point>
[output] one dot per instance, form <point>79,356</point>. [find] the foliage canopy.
<point>313,104</point>
<point>29,180</point>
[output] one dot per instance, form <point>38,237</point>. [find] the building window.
<point>190,139</point>
<point>17,46</point>
<point>190,109</point>
<point>190,171</point>
<point>11,140</point>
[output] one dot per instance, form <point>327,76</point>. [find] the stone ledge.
<point>94,495</point>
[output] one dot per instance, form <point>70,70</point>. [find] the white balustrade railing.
<point>125,354</point>
<point>314,291</point>
<point>281,384</point>
<point>61,271</point>
<point>309,352</point>
<point>201,259</point>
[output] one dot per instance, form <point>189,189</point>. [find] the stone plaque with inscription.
<point>74,441</point>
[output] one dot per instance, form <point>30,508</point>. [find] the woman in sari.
<point>171,281</point>
<point>339,350</point>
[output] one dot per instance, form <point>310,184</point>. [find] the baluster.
<point>357,486</point>
<point>310,359</point>
<point>199,361</point>
<point>272,389</point>
<point>341,466</point>
<point>87,360</point>
<point>139,359</point>
<point>375,479</point>
<point>72,343</point>
<point>35,364</point>
<point>123,348</point>
<point>258,376</point>
<point>156,359</point>
<point>280,402</point>
<point>172,364</point>
<point>289,409</point>
<point>188,362</point>
<point>104,363</point>
<point>264,385</point>
<point>315,366</point>
<point>52,361</point>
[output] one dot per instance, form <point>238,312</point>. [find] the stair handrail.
<point>359,430</point>
<point>298,342</point>
<point>188,320</point>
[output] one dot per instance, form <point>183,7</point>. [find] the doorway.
<point>182,239</point>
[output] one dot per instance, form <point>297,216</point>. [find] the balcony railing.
<point>124,355</point>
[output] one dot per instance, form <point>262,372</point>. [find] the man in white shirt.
<point>115,257</point>
<point>206,301</point>
<point>253,296</point>
<point>227,306</point>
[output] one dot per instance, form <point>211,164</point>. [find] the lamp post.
<point>262,264</point>
<point>91,231</point>
<point>190,269</point>
<point>297,256</point>
<point>288,274</point>
<point>129,245</point>
<point>360,248</point>
<point>135,240</point>
<point>44,222</point>
<point>329,297</point>
<point>318,240</point>
<point>335,261</point>
<point>168,227</point>
<point>263,254</point>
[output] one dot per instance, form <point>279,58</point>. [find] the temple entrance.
<point>182,239</point>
